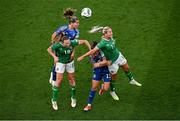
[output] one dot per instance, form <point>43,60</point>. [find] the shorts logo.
<point>57,69</point>
<point>94,76</point>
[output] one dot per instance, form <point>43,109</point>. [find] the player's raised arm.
<point>85,42</point>
<point>88,53</point>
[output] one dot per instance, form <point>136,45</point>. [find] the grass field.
<point>146,31</point>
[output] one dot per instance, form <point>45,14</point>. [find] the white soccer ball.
<point>86,12</point>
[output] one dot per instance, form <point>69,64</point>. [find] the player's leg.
<point>72,89</point>
<point>113,69</point>
<point>59,76</point>
<point>104,87</point>
<point>128,73</point>
<point>70,69</point>
<point>92,92</point>
<point>123,63</point>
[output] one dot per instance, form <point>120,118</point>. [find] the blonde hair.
<point>96,29</point>
<point>105,29</point>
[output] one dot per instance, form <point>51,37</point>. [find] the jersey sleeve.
<point>55,46</point>
<point>102,54</point>
<point>74,42</point>
<point>100,45</point>
<point>61,29</point>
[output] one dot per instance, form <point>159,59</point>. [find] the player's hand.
<point>96,65</point>
<point>80,58</point>
<point>72,57</point>
<point>56,59</point>
<point>109,63</point>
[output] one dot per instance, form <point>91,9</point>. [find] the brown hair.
<point>93,44</point>
<point>64,38</point>
<point>69,14</point>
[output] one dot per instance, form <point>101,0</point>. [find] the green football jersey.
<point>64,53</point>
<point>109,49</point>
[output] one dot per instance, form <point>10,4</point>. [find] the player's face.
<point>66,43</point>
<point>109,33</point>
<point>76,24</point>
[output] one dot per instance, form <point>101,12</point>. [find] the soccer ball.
<point>86,12</point>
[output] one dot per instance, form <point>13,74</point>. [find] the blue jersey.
<point>100,73</point>
<point>70,33</point>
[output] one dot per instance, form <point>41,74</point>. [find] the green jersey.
<point>109,49</point>
<point>64,53</point>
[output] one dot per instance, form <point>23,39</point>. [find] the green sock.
<point>73,91</point>
<point>129,75</point>
<point>112,87</point>
<point>55,93</point>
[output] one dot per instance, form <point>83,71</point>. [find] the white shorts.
<point>119,62</point>
<point>60,67</point>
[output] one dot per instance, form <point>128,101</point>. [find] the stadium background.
<point>146,31</point>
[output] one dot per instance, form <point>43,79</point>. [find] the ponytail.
<point>69,15</point>
<point>96,29</point>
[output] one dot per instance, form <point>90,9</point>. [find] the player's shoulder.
<point>103,40</point>
<point>63,27</point>
<point>57,44</point>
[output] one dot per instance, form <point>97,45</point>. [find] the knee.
<point>93,88</point>
<point>106,87</point>
<point>113,76</point>
<point>125,68</point>
<point>58,82</point>
<point>71,77</point>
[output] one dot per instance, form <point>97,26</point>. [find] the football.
<point>86,12</point>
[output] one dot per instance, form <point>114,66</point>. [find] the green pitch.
<point>146,31</point>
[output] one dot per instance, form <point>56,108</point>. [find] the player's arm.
<point>102,63</point>
<point>88,53</point>
<point>57,35</point>
<point>52,53</point>
<point>53,36</point>
<point>85,42</point>
<point>72,54</point>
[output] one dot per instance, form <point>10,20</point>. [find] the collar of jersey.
<point>106,39</point>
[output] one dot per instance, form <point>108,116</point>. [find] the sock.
<point>91,96</point>
<point>73,91</point>
<point>112,87</point>
<point>55,93</point>
<point>54,73</point>
<point>129,75</point>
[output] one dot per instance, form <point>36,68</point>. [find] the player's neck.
<point>70,26</point>
<point>106,38</point>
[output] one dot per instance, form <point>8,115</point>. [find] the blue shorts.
<point>101,74</point>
